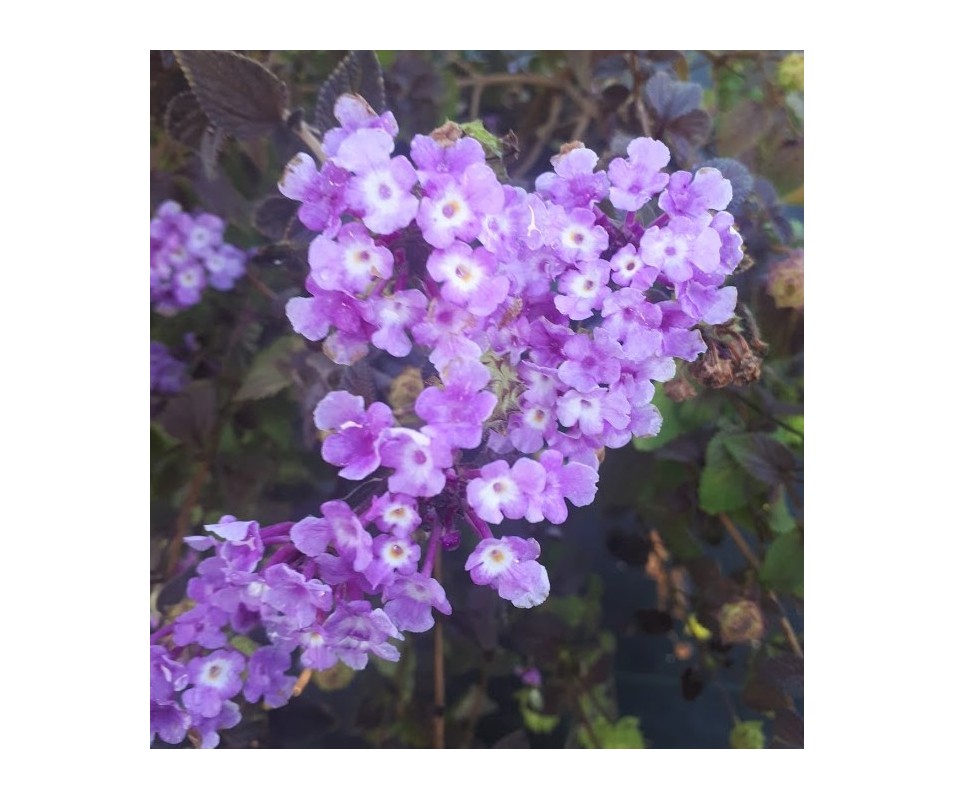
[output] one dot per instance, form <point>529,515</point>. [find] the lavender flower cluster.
<point>186,254</point>
<point>545,321</point>
<point>167,374</point>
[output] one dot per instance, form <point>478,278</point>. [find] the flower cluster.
<point>186,254</point>
<point>167,374</point>
<point>544,317</point>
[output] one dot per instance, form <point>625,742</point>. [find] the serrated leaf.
<point>185,121</point>
<point>722,484</point>
<point>358,73</point>
<point>209,148</point>
<point>670,99</point>
<point>241,97</point>
<point>272,369</point>
<point>784,567</point>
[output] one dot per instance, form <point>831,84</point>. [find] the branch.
<point>743,546</point>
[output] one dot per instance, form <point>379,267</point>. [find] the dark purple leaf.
<point>788,729</point>
<point>277,218</point>
<point>190,415</point>
<point>185,121</point>
<point>239,95</point>
<point>670,99</point>
<point>358,73</point>
<point>764,458</point>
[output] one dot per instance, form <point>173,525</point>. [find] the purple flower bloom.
<point>354,114</point>
<point>418,461</point>
<point>391,554</point>
<point>357,630</point>
<point>636,179</point>
<point>340,527</point>
<point>469,278</point>
<point>394,513</point>
<point>288,594</point>
<point>456,412</point>
<point>583,289</point>
<point>502,490</point>
<point>350,263</point>
<point>435,159</point>
<point>409,600</point>
<point>591,360</point>
<point>680,246</point>
<point>354,445</point>
<point>574,236</point>
<point>590,410</point>
<point>322,194</point>
<point>214,678</point>
<point>393,314</point>
<point>209,727</point>
<point>454,209</point>
<point>167,374</point>
<point>169,720</point>
<point>574,184</point>
<point>266,677</point>
<point>509,565</point>
<point>693,196</point>
<point>629,269</point>
<point>573,482</point>
<point>381,189</point>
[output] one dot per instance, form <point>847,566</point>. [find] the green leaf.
<point>722,486</point>
<point>271,371</point>
<point>784,566</point>
<point>624,734</point>
<point>747,736</point>
<point>244,645</point>
<point>537,722</point>
<point>779,518</point>
<point>491,144</point>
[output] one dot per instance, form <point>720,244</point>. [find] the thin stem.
<point>185,515</point>
<point>304,133</point>
<point>439,698</point>
<point>743,546</point>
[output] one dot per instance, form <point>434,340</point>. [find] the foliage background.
<point>677,595</point>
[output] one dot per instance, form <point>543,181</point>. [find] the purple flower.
<point>291,596</point>
<point>591,410</point>
<point>409,600</point>
<point>583,289</point>
<point>693,196</point>
<point>574,184</point>
<point>435,159</point>
<point>166,675</point>
<point>357,630</point>
<point>456,412</point>
<point>392,554</point>
<point>316,651</point>
<point>214,678</point>
<point>502,490</point>
<point>629,269</point>
<point>680,246</point>
<point>394,513</point>
<point>350,263</point>
<point>354,443</point>
<point>266,677</point>
<point>355,114</point>
<point>381,190</point>
<point>322,194</point>
<point>591,360</point>
<point>167,375</point>
<point>392,315</point>
<point>573,482</point>
<point>509,565</point>
<point>636,179</point>
<point>454,209</point>
<point>574,236</point>
<point>528,428</point>
<point>418,461</point>
<point>209,727</point>
<point>469,278</point>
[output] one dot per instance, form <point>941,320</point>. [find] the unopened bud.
<point>447,134</point>
<point>741,622</point>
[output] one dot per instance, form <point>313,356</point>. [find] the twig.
<point>438,664</point>
<point>743,546</point>
<point>185,515</point>
<point>543,136</point>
